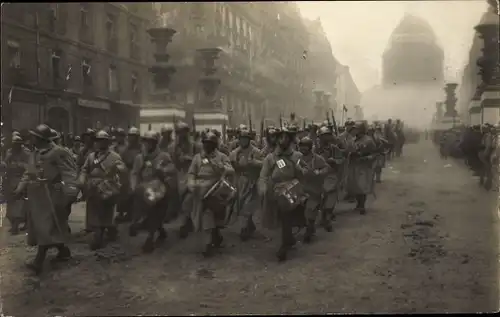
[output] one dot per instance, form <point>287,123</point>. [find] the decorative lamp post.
<point>210,105</point>
<point>161,71</point>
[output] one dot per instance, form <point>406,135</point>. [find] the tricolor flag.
<point>68,72</point>
<point>10,94</point>
<point>304,55</point>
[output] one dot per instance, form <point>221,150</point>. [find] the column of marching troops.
<point>479,145</point>
<point>294,177</point>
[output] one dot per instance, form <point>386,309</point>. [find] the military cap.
<point>17,139</point>
<point>210,137</point>
<point>151,135</point>
<point>134,131</point>
<point>102,135</point>
<point>306,141</point>
<point>42,131</point>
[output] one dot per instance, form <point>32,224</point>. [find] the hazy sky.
<point>359,31</point>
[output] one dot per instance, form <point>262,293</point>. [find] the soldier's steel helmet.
<point>17,139</point>
<point>102,135</point>
<point>245,133</point>
<point>151,136</point>
<point>306,141</point>
<point>89,131</point>
<point>291,129</point>
<point>210,137</point>
<point>166,128</point>
<point>42,131</point>
<point>324,130</point>
<point>120,131</point>
<point>54,135</point>
<point>134,131</point>
<point>181,126</point>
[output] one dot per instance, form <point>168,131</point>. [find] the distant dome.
<point>413,27</point>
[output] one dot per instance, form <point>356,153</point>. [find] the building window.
<point>86,72</point>
<point>111,32</point>
<point>134,45</point>
<point>53,15</point>
<point>14,54</point>
<point>56,65</point>
<point>84,16</point>
<point>112,79</point>
<point>135,84</point>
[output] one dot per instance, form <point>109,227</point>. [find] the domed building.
<point>412,55</point>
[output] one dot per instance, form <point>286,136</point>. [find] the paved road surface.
<point>428,243</point>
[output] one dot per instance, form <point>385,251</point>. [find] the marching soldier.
<point>88,146</point>
<point>247,162</point>
<point>77,147</point>
<point>16,160</point>
<point>120,143</point>
<point>206,169</point>
<point>101,175</point>
<point>166,137</point>
<point>125,204</point>
<point>221,146</point>
<point>182,152</point>
<point>153,180</point>
<point>335,157</point>
<point>271,141</point>
<point>360,178</point>
<point>315,169</point>
<point>279,177</point>
<point>51,181</point>
<point>381,145</point>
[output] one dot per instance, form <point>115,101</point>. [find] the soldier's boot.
<point>149,245</point>
<point>326,221</point>
<point>97,239</point>
<point>287,241</point>
<point>209,248</point>
<point>310,231</point>
<point>186,228</point>
<point>361,200</point>
<point>14,227</point>
<point>63,254</point>
<point>162,235</point>
<point>217,238</point>
<point>248,230</point>
<point>378,177</point>
<point>36,265</point>
<point>112,233</point>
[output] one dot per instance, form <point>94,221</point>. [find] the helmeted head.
<point>244,137</point>
<point>102,140</point>
<point>287,136</point>
<point>324,134</point>
<point>210,142</point>
<point>272,135</point>
<point>133,135</point>
<point>42,134</point>
<point>77,140</point>
<point>17,141</point>
<point>306,145</point>
<point>120,135</point>
<point>182,130</point>
<point>150,139</point>
<point>166,130</point>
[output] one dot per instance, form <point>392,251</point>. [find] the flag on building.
<point>344,108</point>
<point>304,55</point>
<point>68,73</point>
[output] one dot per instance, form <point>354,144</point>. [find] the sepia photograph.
<point>249,158</point>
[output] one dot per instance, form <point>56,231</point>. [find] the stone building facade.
<point>73,65</point>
